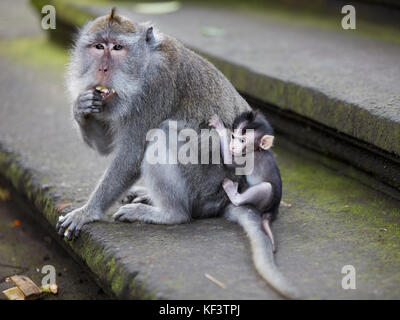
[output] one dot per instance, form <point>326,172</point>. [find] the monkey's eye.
<point>99,46</point>
<point>117,47</point>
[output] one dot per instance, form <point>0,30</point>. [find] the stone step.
<point>332,221</point>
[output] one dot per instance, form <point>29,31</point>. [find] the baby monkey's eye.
<point>99,46</point>
<point>117,47</point>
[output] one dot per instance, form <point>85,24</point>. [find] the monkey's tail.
<point>262,250</point>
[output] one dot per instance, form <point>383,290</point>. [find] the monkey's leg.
<point>149,214</point>
<point>119,176</point>
<point>258,195</point>
<point>261,248</point>
<point>167,190</point>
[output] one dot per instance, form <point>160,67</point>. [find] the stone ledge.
<point>316,237</point>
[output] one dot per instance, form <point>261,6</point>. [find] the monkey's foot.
<point>149,214</point>
<point>127,213</point>
<point>71,224</point>
<point>267,228</point>
<point>231,188</point>
<point>136,212</point>
<point>137,194</point>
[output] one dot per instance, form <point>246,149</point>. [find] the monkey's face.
<point>242,143</point>
<point>114,53</point>
<point>106,55</point>
<point>113,60</point>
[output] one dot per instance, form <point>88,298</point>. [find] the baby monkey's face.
<point>248,141</point>
<point>242,142</point>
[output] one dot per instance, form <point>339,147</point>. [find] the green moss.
<point>308,16</point>
<point>102,264</point>
<point>37,52</point>
<point>21,179</point>
<point>112,276</point>
<point>341,201</point>
<point>341,115</point>
<point>67,10</point>
<point>311,15</point>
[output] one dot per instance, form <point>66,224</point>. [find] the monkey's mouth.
<point>105,92</point>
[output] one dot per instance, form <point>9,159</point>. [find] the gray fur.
<point>261,248</point>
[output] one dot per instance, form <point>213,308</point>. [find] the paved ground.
<point>333,221</point>
<point>26,247</point>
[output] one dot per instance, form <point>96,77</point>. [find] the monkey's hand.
<point>137,194</point>
<point>215,122</point>
<point>88,102</point>
<point>231,189</point>
<point>71,225</point>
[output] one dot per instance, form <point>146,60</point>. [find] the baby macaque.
<point>252,133</point>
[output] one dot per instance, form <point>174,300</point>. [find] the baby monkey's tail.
<point>262,249</point>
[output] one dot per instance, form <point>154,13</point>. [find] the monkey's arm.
<point>225,151</point>
<point>119,176</point>
<point>223,134</point>
<point>258,195</point>
<point>95,133</point>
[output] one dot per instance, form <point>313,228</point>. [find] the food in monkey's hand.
<point>105,92</point>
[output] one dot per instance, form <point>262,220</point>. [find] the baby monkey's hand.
<point>215,122</point>
<point>231,189</point>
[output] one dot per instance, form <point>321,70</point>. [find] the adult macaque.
<point>155,78</point>
<point>252,134</point>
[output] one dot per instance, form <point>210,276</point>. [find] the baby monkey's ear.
<point>266,142</point>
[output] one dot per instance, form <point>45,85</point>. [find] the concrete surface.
<point>26,248</point>
<point>333,220</point>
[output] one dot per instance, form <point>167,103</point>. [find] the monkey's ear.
<point>150,35</point>
<point>266,142</point>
